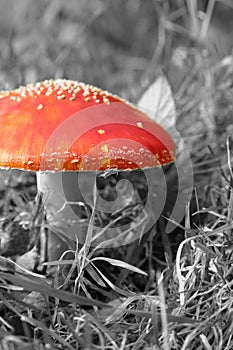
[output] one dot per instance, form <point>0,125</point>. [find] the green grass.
<point>132,297</point>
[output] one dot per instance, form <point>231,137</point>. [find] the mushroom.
<point>69,133</point>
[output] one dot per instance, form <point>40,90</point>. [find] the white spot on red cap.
<point>140,125</point>
<point>40,106</point>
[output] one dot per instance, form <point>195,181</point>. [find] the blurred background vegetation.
<point>105,43</point>
<point>116,45</point>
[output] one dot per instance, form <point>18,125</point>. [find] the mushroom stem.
<point>64,196</point>
<point>68,198</point>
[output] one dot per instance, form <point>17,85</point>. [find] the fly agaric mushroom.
<point>68,132</point>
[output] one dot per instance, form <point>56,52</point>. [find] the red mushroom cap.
<point>64,125</point>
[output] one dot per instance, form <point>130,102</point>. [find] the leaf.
<point>95,276</point>
<point>120,263</point>
<point>36,299</point>
<point>27,260</point>
<point>113,286</point>
<point>30,283</point>
<point>158,102</point>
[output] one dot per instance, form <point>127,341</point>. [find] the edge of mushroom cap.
<point>31,89</point>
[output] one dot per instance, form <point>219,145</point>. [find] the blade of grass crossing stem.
<point>89,235</point>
